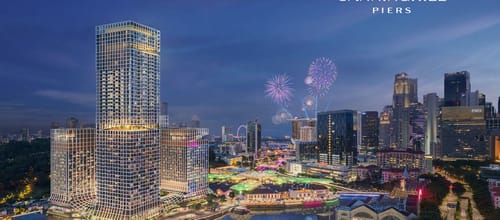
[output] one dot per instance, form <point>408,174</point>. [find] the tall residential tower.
<point>127,128</point>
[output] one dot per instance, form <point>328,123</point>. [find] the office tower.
<point>498,107</point>
<point>369,132</point>
<point>337,137</point>
<point>489,110</point>
<point>476,98</point>
<point>462,132</point>
<point>195,121</point>
<point>164,115</point>
<point>25,134</point>
<point>384,130</point>
<point>307,150</point>
<point>431,105</point>
<point>405,93</point>
<point>253,137</point>
<point>456,89</point>
<point>298,124</point>
<point>72,122</point>
<point>184,161</point>
<point>226,134</point>
<point>72,168</point>
<point>417,126</point>
<point>128,135</point>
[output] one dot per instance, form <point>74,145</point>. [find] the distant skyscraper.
<point>54,125</point>
<point>498,107</point>
<point>417,126</point>
<point>457,89</point>
<point>72,168</point>
<point>369,132</point>
<point>254,136</point>
<point>405,93</point>
<point>297,129</point>
<point>25,134</point>
<point>195,121</point>
<point>128,135</point>
<point>226,133</point>
<point>489,110</point>
<point>384,136</point>
<point>337,137</point>
<point>431,104</point>
<point>184,161</point>
<point>72,122</point>
<point>164,115</point>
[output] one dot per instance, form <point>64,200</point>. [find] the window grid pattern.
<point>128,136</point>
<point>184,161</point>
<point>72,167</point>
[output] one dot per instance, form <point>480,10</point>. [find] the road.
<point>464,203</point>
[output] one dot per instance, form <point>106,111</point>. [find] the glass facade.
<point>337,137</point>
<point>72,167</point>
<point>463,132</point>
<point>184,161</point>
<point>253,136</point>
<point>128,135</point>
<point>369,132</point>
<point>457,89</point>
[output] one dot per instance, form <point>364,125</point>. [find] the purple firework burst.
<point>278,88</point>
<point>321,76</point>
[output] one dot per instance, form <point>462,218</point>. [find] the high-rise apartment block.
<point>72,168</point>
<point>128,134</point>
<point>184,161</point>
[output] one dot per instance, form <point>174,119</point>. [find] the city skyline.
<point>218,57</point>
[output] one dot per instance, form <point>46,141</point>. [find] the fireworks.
<point>281,116</point>
<point>278,88</point>
<point>321,76</point>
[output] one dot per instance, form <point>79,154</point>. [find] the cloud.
<point>70,97</point>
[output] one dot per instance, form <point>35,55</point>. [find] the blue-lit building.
<point>337,137</point>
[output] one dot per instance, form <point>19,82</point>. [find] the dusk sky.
<point>217,55</point>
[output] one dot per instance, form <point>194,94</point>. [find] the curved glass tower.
<point>128,136</point>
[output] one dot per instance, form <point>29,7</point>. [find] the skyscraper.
<point>254,136</point>
<point>337,137</point>
<point>384,136</point>
<point>184,161</point>
<point>226,134</point>
<point>128,135</point>
<point>457,89</point>
<point>462,132</point>
<point>72,168</point>
<point>72,122</point>
<point>431,104</point>
<point>164,115</point>
<point>405,93</point>
<point>195,121</point>
<point>369,132</point>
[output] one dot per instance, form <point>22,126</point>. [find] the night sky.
<point>217,55</point>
